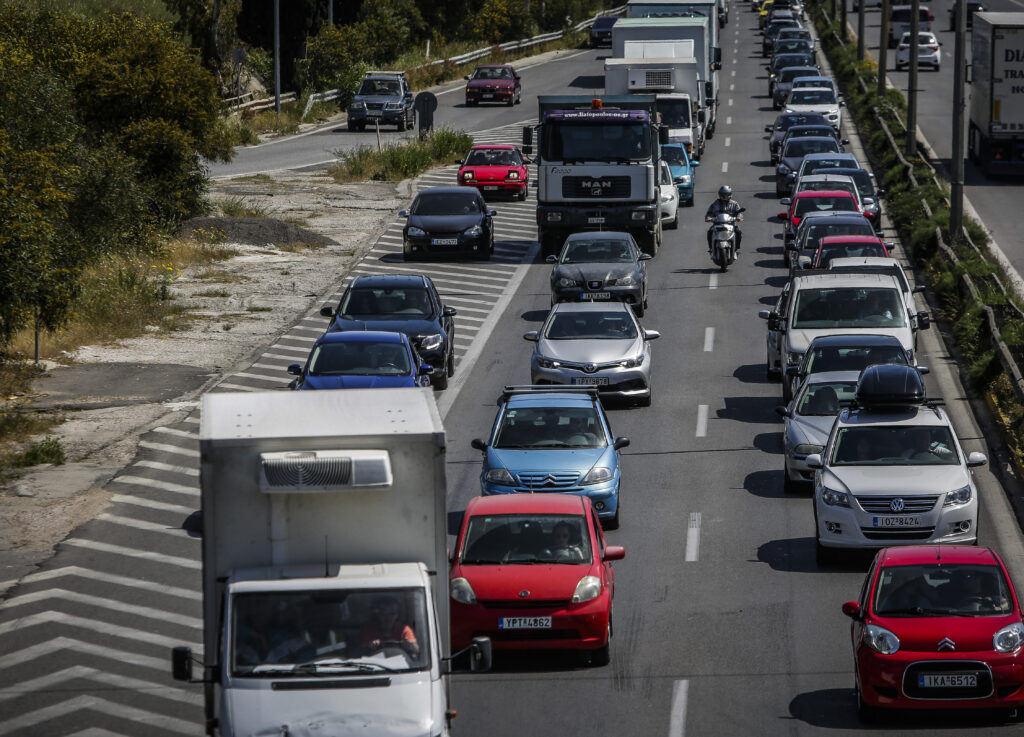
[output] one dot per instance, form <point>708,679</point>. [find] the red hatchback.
<point>492,168</point>
<point>841,246</point>
<point>814,201</point>
<point>533,572</point>
<point>493,83</point>
<point>937,626</point>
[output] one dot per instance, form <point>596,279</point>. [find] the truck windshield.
<point>607,141</point>
<point>674,113</point>
<point>333,631</point>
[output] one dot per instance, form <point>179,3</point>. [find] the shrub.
<point>48,450</point>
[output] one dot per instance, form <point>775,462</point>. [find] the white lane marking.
<point>728,141</point>
<point>179,433</point>
<point>135,583</point>
<point>161,485</point>
<point>103,706</point>
<point>709,339</point>
<point>732,87</point>
<point>58,644</point>
<point>236,387</point>
<point>157,466</point>
<point>169,448</point>
<point>693,537</point>
<point>150,504</point>
<point>728,120</point>
<point>733,73</point>
<point>133,553</point>
<point>677,717</point>
<point>702,420</point>
<point>87,623</point>
<point>48,681</point>
<point>729,102</point>
<point>65,595</point>
<point>139,524</point>
<point>725,167</point>
<point>713,281</point>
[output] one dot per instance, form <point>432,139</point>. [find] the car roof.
<point>842,279</point>
<point>907,416</point>
<point>551,399</point>
<point>586,235</point>
<point>389,280</point>
<point>829,377</point>
<point>826,155</point>
<point>591,306</point>
<point>855,217</point>
<point>806,194</point>
<point>830,239</point>
<point>527,504</point>
<point>471,191</point>
<point>489,146</point>
<point>855,261</point>
<point>815,126</point>
<point>818,77</point>
<point>363,336</point>
<point>934,554</point>
<point>852,341</point>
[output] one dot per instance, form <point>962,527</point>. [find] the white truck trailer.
<point>996,131</point>
<point>325,601</point>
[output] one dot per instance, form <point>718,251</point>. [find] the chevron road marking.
<point>179,433</point>
<point>157,466</point>
<point>133,553</point>
<point>142,525</point>
<point>47,682</point>
<point>135,583</point>
<point>162,485</point>
<point>98,601</point>
<point>169,449</point>
<point>93,703</point>
<point>59,644</point>
<point>150,504</point>
<point>103,628</point>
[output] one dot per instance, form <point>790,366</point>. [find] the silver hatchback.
<point>588,344</point>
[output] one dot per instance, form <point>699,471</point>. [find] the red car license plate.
<point>524,623</point>
<point>948,680</point>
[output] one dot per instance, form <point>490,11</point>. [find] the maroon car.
<point>493,83</point>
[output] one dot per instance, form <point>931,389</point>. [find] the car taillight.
<point>903,47</point>
<point>932,48</point>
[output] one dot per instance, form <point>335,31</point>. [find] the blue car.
<point>682,170</point>
<point>361,360</point>
<point>553,439</point>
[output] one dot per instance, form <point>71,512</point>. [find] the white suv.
<point>893,471</point>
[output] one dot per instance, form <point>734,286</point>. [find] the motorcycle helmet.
<point>725,193</point>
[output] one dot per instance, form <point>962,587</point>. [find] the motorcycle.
<point>723,238</point>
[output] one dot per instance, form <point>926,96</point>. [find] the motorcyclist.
<point>725,204</point>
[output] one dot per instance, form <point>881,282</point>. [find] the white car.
<point>815,81</point>
<point>893,471</point>
<point>816,100</point>
<point>669,197</point>
<point>868,264</point>
<point>928,53</point>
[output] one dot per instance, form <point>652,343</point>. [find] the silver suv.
<point>893,471</point>
<point>383,97</point>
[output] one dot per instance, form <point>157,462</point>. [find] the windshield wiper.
<point>481,562</point>
<point>314,666</point>
<point>918,611</point>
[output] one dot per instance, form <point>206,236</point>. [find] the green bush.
<point>48,450</point>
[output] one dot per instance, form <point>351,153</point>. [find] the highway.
<point>723,623</point>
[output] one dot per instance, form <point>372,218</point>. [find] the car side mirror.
<point>403,213</point>
<point>532,336</point>
<point>768,128</point>
<point>918,289</point>
<point>842,103</point>
<point>295,369</point>
<point>804,262</point>
<point>492,213</point>
<point>786,201</point>
<point>481,656</point>
<point>814,461</point>
<point>449,311</point>
<point>327,311</point>
<point>791,246</point>
<point>426,369</point>
<point>923,321</point>
<point>783,215</point>
<point>181,663</point>
<point>552,259</point>
<point>844,141</point>
<point>852,610</point>
<point>783,411</point>
<point>620,443</point>
<point>880,193</point>
<point>614,552</point>
<point>458,161</point>
<point>644,257</point>
<point>479,444</point>
<point>701,116</point>
<point>976,459</point>
<point>792,371</point>
<point>651,335</point>
<point>694,163</point>
<point>466,78</point>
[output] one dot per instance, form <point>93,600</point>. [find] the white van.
<point>900,17</point>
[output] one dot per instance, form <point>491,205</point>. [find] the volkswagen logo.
<point>897,505</point>
<point>524,594</point>
<point>590,368</point>
<point>946,644</point>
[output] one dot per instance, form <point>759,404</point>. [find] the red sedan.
<point>937,626</point>
<point>812,201</point>
<point>533,572</point>
<point>493,83</point>
<point>492,168</point>
<point>841,246</point>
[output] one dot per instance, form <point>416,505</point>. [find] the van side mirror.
<point>480,655</point>
<point>663,135</point>
<point>181,663</point>
<point>701,116</point>
<point>527,138</point>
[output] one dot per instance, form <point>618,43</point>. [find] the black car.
<point>808,131</point>
<point>601,31</point>
<point>401,304</point>
<point>818,225</point>
<point>973,6</point>
<point>783,123</point>
<point>792,155</point>
<point>804,59</point>
<point>786,20</point>
<point>784,82</point>
<point>446,221</point>
<point>598,267</point>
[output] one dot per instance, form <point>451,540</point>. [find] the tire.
<point>789,486</point>
<point>401,125</point>
<point>645,401</point>
<point>522,194</point>
<point>675,222</point>
<point>439,380</point>
<point>770,371</point>
<point>639,309</point>
<point>352,126</point>
<point>603,655</point>
<point>511,101</point>
<point>867,714</point>
<point>470,103</point>
<point>450,365</point>
<point>612,523</point>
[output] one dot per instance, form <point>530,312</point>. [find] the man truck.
<point>995,139</point>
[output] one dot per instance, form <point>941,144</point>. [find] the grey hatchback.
<point>596,267</point>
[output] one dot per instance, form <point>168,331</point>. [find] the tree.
<point>501,20</point>
<point>211,26</point>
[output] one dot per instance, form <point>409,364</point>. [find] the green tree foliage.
<point>210,26</point>
<point>387,28</point>
<point>500,20</point>
<point>333,60</point>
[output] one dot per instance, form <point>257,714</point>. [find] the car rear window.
<point>898,445</point>
<point>824,359</point>
<point>805,205</point>
<point>843,250</point>
<point>805,146</point>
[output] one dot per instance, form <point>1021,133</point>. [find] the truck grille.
<point>911,504</point>
<point>596,187</point>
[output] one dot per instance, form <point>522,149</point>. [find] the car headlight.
<point>473,231</point>
<point>394,106</point>
<point>625,281</point>
<point>355,105</point>
<point>958,497</point>
<point>588,588</point>
<point>567,282</point>
<point>1009,639</point>
<point>666,198</point>
<point>881,640</point>
<point>415,232</point>
<point>547,363</point>
<point>431,341</point>
<point>806,449</point>
<point>639,214</point>
<point>499,476</point>
<point>834,498</point>
<point>513,175</point>
<point>462,591</point>
<point>597,475</point>
<point>683,179</point>
<point>633,362</point>
<point>467,175</point>
<point>793,358</point>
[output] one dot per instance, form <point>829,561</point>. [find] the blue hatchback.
<point>548,439</point>
<point>682,170</point>
<point>361,360</point>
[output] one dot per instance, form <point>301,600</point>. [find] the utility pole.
<point>843,31</point>
<point>883,48</point>
<point>277,56</point>
<point>330,12</point>
<point>956,185</point>
<point>860,30</point>
<point>915,25</point>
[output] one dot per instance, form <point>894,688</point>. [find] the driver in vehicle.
<point>387,630</point>
<point>561,548</point>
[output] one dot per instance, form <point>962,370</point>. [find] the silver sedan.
<point>588,344</point>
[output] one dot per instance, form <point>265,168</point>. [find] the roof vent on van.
<point>323,470</point>
<point>889,386</point>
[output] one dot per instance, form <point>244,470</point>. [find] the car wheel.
<point>603,655</point>
<point>789,486</point>
<point>772,372</point>
<point>645,401</point>
<point>523,194</point>
<point>511,100</point>
<point>470,103</point>
<point>352,126</point>
<point>439,380</point>
<point>612,523</point>
<point>867,714</point>
<point>675,222</point>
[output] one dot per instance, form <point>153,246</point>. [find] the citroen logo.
<point>524,594</point>
<point>590,368</point>
<point>549,480</point>
<point>896,505</point>
<point>946,644</point>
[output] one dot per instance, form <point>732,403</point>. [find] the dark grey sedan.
<point>447,221</point>
<point>596,267</point>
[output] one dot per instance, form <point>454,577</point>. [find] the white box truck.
<point>995,139</point>
<point>695,29</point>
<point>325,601</point>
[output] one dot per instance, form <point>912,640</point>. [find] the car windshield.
<point>805,205</point>
<point>785,122</point>
<point>367,303</point>
<point>797,147</point>
<point>674,113</point>
<point>812,96</point>
<point>360,358</point>
<point>328,632</point>
<point>583,141</point>
<point>674,155</point>
<point>493,157</point>
<point>790,73</point>
<point>446,204</point>
<point>550,427</point>
<point>799,84</point>
<point>821,359</point>
<point>848,307</point>
<point>816,230</point>
<point>598,251</point>
<point>898,445</point>
<point>496,539</point>
<point>381,87</point>
<point>942,590</point>
<point>792,60</point>
<point>830,251</point>
<point>826,398</point>
<point>590,326</point>
<point>814,165</point>
<point>492,73</point>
